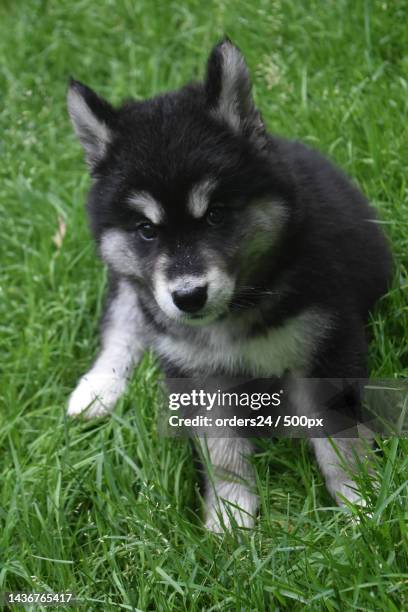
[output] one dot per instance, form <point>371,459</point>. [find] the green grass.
<point>109,510</point>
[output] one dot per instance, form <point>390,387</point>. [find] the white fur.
<point>339,480</point>
<point>93,133</point>
<point>199,198</point>
<point>144,202</point>
<point>229,502</point>
<point>268,215</point>
<point>161,289</point>
<point>267,218</point>
<point>118,253</point>
<point>234,85</point>
<point>217,349</point>
<point>230,484</point>
<point>220,287</point>
<point>338,477</point>
<point>186,282</point>
<point>98,391</point>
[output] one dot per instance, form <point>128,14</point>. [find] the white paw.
<point>95,395</point>
<point>348,490</point>
<point>219,519</point>
<point>235,505</point>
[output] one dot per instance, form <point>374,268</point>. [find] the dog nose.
<point>190,300</point>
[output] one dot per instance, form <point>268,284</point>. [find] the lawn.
<point>110,510</point>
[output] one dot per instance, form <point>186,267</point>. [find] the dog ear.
<point>228,88</point>
<point>93,119</point>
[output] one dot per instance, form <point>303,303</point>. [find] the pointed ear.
<point>228,88</point>
<point>93,119</point>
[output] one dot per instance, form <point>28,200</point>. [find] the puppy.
<point>230,252</point>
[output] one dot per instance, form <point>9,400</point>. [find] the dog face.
<point>188,198</point>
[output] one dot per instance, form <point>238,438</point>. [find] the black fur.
<point>331,253</point>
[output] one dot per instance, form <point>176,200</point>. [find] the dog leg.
<point>98,391</point>
<point>229,488</point>
<point>336,457</point>
<point>337,460</point>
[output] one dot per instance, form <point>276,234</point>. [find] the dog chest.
<point>217,350</point>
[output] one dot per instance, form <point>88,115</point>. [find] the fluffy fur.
<point>231,252</point>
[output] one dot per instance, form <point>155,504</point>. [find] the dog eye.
<point>147,231</point>
<point>215,216</point>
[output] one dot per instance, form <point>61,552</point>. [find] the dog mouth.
<point>203,318</point>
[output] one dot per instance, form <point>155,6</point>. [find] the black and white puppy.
<point>231,252</point>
